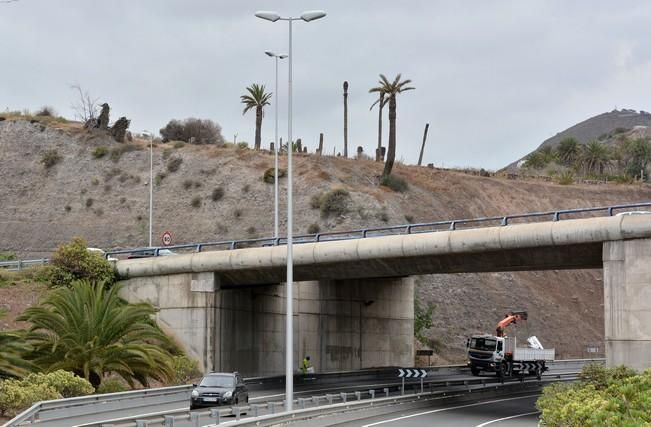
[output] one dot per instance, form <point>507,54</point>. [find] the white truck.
<point>501,354</point>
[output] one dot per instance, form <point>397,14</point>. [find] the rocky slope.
<point>105,200</point>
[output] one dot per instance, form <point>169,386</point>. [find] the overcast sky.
<point>493,78</point>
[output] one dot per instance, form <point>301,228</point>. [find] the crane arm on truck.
<point>511,317</point>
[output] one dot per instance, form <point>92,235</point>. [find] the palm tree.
<point>12,348</point>
<point>568,151</point>
<point>380,102</point>
<point>89,330</point>
<point>595,157</point>
<point>391,89</point>
<point>258,99</point>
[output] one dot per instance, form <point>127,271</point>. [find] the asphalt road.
<point>502,412</point>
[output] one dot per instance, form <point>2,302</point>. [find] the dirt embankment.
<point>105,200</point>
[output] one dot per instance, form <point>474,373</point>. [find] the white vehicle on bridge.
<point>501,354</point>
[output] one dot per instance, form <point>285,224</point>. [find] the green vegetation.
<point>12,349</point>
<point>178,144</point>
<point>50,158</point>
<point>333,202</point>
<point>409,219</point>
<point>568,151</point>
<point>72,261</point>
<point>100,152</point>
<point>217,194</point>
<point>160,176</point>
<point>7,256</point>
<point>422,321</point>
<point>394,182</point>
<point>46,111</point>
<point>86,328</point>
<point>269,175</point>
<point>117,152</point>
<point>174,164</point>
<point>313,228</point>
<point>184,370</point>
<point>193,131</point>
<point>257,99</point>
<point>566,178</point>
<point>603,397</point>
<point>111,385</point>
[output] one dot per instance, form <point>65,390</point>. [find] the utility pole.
<point>345,119</point>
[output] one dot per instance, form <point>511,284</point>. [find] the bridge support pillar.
<point>627,302</point>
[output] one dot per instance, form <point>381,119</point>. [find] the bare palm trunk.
<point>345,119</point>
<point>258,127</point>
<point>391,152</point>
<point>378,153</point>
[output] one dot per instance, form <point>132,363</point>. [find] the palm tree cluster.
<point>630,158</point>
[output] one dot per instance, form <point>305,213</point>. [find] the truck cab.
<point>485,353</point>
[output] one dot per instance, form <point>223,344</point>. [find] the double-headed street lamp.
<point>276,148</point>
<point>289,363</point>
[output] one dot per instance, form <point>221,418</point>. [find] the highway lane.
<point>500,412</point>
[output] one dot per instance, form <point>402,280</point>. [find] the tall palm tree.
<point>258,99</point>
<point>89,330</point>
<point>390,90</point>
<point>568,151</point>
<point>12,348</point>
<point>595,157</point>
<point>380,102</point>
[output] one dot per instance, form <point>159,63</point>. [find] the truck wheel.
<point>474,371</point>
<point>503,370</point>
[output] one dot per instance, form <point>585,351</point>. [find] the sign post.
<point>166,238</point>
<point>411,373</point>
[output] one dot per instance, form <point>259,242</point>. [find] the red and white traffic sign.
<point>166,238</point>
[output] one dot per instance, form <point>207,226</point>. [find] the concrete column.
<point>627,302</point>
<point>186,304</point>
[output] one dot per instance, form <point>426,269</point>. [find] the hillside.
<point>605,127</point>
<point>105,200</point>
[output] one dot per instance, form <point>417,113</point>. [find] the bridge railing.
<point>455,224</point>
<point>22,263</point>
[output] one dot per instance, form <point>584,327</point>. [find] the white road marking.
<point>448,409</point>
<point>507,418</point>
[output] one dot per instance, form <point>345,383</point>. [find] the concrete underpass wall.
<point>341,325</point>
<point>627,302</point>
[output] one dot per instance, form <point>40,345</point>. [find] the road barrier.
<point>18,265</point>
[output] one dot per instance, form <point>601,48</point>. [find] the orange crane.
<point>511,317</point>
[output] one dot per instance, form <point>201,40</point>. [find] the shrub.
<point>566,178</point>
<point>65,383</point>
<point>122,200</point>
<point>383,216</point>
<point>313,228</point>
<point>246,188</point>
<point>68,208</point>
<point>167,153</point>
<point>185,370</point>
<point>192,130</point>
<point>46,111</point>
<point>196,202</point>
<point>217,194</point>
<point>160,176</point>
<point>409,219</point>
<point>100,152</point>
<point>111,386</point>
<point>174,164</point>
<point>72,261</point>
<point>107,188</point>
<point>242,145</point>
<point>89,202</point>
<point>270,174</point>
<point>179,144</point>
<point>50,158</point>
<point>315,201</point>
<point>7,256</point>
<point>334,202</point>
<point>187,184</point>
<point>16,395</point>
<point>117,152</point>
<point>395,183</point>
<point>94,181</point>
<point>251,230</point>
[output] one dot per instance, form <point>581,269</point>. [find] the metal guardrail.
<point>65,412</point>
<point>321,404</point>
<point>18,265</point>
<point>504,220</point>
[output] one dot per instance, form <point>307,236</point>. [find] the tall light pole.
<point>276,148</point>
<point>151,181</point>
<point>289,356</point>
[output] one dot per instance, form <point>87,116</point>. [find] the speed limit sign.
<point>167,238</point>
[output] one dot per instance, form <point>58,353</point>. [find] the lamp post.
<point>289,356</point>
<point>276,148</point>
<point>151,180</point>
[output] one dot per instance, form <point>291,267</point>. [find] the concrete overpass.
<point>355,297</point>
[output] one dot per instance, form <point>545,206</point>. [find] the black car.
<point>219,389</point>
<point>146,253</point>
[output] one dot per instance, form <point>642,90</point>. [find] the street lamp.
<point>151,179</point>
<point>276,57</point>
<point>289,364</point>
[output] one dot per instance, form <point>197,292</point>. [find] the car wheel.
<point>474,371</point>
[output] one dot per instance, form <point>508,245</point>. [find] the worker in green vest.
<point>305,365</point>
